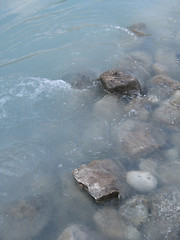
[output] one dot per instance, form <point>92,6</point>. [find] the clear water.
<point>47,127</point>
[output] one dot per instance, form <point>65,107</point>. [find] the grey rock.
<point>135,210</point>
<point>139,29</point>
<point>117,81</point>
<point>113,226</point>
<point>164,219</point>
<point>102,179</point>
<point>159,68</point>
<point>78,232</point>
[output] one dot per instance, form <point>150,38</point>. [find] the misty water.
<point>51,122</point>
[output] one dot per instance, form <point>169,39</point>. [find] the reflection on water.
<point>55,116</point>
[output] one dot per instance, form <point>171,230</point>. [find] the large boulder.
<point>117,81</point>
<point>102,179</point>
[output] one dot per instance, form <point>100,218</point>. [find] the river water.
<point>49,126</point>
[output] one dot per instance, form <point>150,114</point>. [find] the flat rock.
<point>116,81</point>
<point>102,179</point>
<point>139,29</point>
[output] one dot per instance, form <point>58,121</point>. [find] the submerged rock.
<point>137,139</point>
<point>78,232</point>
<point>135,210</point>
<point>24,219</point>
<point>139,29</point>
<point>164,219</point>
<point>162,86</point>
<point>102,179</point>
<point>117,81</point>
<point>168,114</point>
<point>114,226</point>
<point>141,181</point>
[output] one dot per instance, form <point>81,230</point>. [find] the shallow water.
<point>48,126</point>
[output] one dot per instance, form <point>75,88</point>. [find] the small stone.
<point>113,226</point>
<point>141,181</point>
<point>135,210</point>
<point>102,179</point>
<point>139,29</point>
<point>116,81</point>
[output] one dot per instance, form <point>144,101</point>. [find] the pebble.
<point>141,181</point>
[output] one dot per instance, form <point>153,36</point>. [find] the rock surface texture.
<point>102,179</point>
<point>116,81</point>
<point>139,29</point>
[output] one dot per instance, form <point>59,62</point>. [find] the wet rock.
<point>137,109</point>
<point>116,81</point>
<point>162,86</point>
<point>164,219</point>
<point>167,114</point>
<point>169,172</point>
<point>78,232</point>
<point>113,226</point>
<point>139,29</point>
<point>102,179</point>
<point>109,107</point>
<point>141,181</point>
<point>24,219</point>
<point>137,139</point>
<point>135,210</point>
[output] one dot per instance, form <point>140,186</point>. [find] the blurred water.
<point>44,44</point>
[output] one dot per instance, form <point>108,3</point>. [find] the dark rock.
<point>164,219</point>
<point>116,81</point>
<point>139,29</point>
<point>102,179</point>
